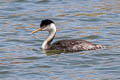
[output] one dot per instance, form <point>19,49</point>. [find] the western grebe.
<point>63,45</point>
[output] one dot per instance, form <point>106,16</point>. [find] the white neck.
<point>52,30</point>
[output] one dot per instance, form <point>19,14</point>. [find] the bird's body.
<point>74,45</point>
<point>63,45</point>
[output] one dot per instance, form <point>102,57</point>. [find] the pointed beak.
<point>39,29</point>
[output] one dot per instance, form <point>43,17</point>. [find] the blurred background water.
<point>97,21</point>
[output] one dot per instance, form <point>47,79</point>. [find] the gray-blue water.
<point>97,21</point>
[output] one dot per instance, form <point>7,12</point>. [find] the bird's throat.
<point>46,44</point>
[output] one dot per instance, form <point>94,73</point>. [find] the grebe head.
<point>46,25</point>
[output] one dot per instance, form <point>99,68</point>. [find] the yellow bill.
<point>39,29</point>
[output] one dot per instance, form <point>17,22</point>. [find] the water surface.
<point>97,21</point>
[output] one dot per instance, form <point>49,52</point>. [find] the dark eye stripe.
<point>43,26</point>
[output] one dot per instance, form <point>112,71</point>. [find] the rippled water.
<point>97,21</point>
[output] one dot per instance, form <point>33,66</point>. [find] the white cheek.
<point>43,29</point>
<point>48,28</point>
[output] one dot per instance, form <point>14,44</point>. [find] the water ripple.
<point>95,20</point>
